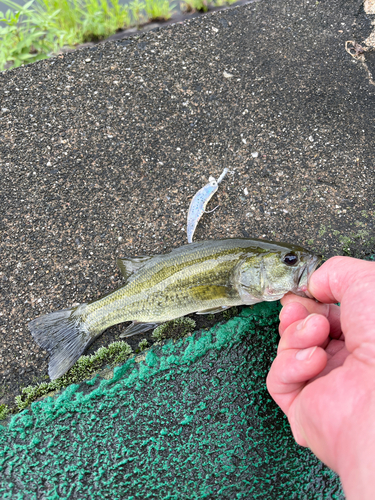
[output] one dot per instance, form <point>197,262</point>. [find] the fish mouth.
<point>305,276</point>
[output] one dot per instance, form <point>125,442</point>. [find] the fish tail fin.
<point>64,335</point>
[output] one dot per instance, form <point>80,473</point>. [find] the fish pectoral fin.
<point>130,265</point>
<point>214,310</point>
<point>209,292</point>
<point>136,327</point>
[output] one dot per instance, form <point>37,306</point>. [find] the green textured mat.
<point>193,420</point>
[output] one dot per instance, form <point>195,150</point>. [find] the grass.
<point>203,5</point>
<point>87,20</point>
<point>157,10</point>
<point>28,35</point>
<point>41,28</point>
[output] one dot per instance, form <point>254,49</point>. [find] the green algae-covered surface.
<point>192,420</point>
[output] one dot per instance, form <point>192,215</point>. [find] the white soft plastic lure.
<point>199,202</point>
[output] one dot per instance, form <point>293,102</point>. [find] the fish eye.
<point>290,259</point>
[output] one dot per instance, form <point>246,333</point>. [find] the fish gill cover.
<point>192,421</point>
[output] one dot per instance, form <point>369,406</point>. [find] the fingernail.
<point>305,354</point>
<point>303,323</point>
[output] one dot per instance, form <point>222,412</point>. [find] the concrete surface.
<point>102,150</point>
<point>189,420</point>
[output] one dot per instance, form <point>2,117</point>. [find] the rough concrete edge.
<point>80,372</point>
<point>171,330</point>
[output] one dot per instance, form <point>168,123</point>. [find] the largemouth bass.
<point>203,277</point>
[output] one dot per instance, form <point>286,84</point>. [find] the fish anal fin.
<point>136,328</point>
<point>130,265</point>
<point>214,310</point>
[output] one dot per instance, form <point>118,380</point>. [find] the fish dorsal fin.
<point>131,265</point>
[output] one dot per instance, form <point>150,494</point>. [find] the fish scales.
<point>202,277</point>
<point>167,285</point>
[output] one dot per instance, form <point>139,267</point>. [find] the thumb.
<point>330,282</point>
<point>352,283</point>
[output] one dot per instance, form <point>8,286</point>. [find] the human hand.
<point>323,377</point>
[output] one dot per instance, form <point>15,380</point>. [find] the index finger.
<point>330,311</point>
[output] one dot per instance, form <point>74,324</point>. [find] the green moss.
<point>115,354</point>
<point>357,244</point>
<point>175,329</point>
<point>230,313</point>
<point>346,242</point>
<point>362,233</point>
<point>4,410</point>
<point>143,344</point>
<point>322,231</point>
<point>359,223</point>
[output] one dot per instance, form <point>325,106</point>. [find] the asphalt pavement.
<point>102,149</point>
